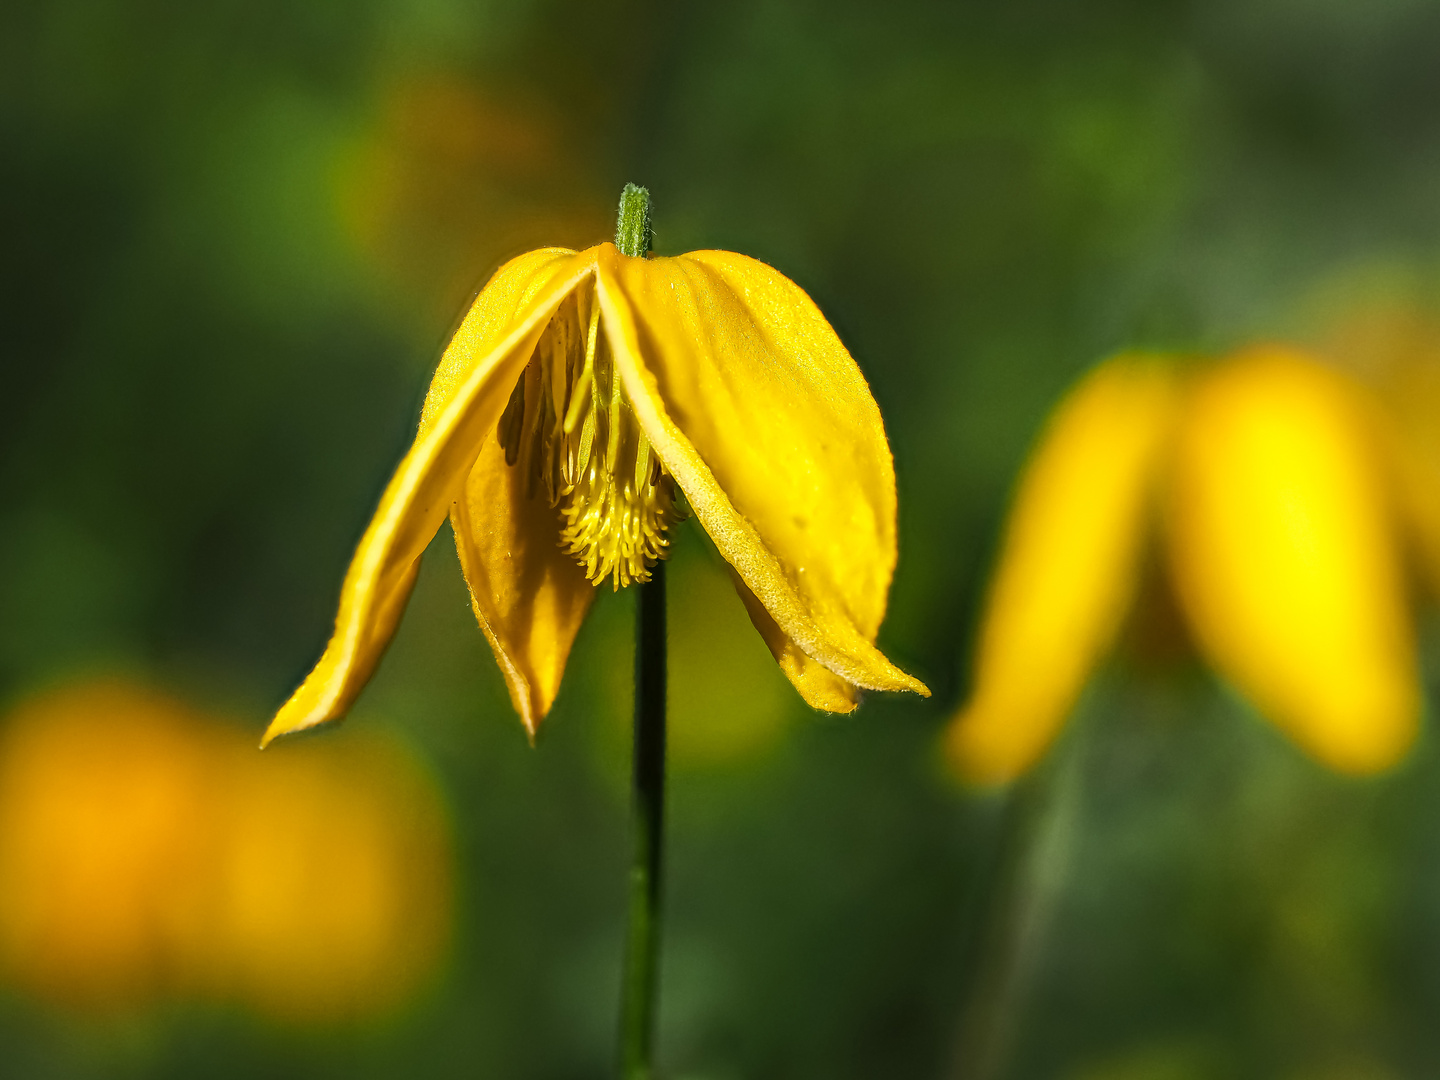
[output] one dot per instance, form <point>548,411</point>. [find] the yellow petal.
<point>529,596</point>
<point>818,685</point>
<point>1067,568</point>
<point>469,391</point>
<point>759,413</point>
<point>1284,558</point>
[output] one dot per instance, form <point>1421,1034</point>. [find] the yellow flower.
<point>1274,510</point>
<point>581,391</point>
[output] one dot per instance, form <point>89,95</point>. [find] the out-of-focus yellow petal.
<point>529,596</point>
<point>763,419</point>
<point>1068,565</point>
<point>1284,558</point>
<point>469,391</point>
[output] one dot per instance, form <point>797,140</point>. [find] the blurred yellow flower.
<point>1274,507</point>
<point>146,851</point>
<point>580,392</point>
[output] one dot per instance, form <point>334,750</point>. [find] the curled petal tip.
<point>871,670</point>
<point>273,732</point>
<point>281,726</point>
<point>532,727</point>
<point>886,676</point>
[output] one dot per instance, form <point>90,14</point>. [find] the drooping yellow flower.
<point>580,393</point>
<point>1261,478</point>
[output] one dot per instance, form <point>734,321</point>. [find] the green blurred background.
<point>236,236</point>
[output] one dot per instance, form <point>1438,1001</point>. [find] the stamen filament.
<point>587,443</point>
<point>642,465</point>
<point>613,447</point>
<point>614,497</point>
<point>582,384</point>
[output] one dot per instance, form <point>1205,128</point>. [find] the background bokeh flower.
<point>148,853</point>
<point>446,176</point>
<point>1262,484</point>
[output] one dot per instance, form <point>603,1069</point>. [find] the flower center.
<point>570,430</point>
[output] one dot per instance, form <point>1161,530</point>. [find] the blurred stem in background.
<point>642,950</point>
<point>1036,845</point>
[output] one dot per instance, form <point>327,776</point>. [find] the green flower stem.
<point>647,824</point>
<point>647,814</point>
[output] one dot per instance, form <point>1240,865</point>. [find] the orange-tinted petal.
<point>529,596</point>
<point>1068,566</point>
<point>469,391</point>
<point>763,419</point>
<point>1284,558</point>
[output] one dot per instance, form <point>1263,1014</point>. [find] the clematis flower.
<point>1263,481</point>
<point>583,394</point>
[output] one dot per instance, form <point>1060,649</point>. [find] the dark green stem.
<point>633,234</point>
<point>647,825</point>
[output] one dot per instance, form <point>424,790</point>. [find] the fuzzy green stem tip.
<point>633,235</point>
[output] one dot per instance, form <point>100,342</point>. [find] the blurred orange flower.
<point>1276,513</point>
<point>146,850</point>
<point>448,176</point>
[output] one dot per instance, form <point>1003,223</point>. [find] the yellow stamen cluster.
<point>569,429</point>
